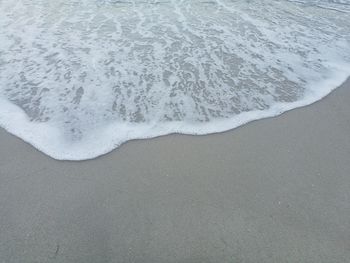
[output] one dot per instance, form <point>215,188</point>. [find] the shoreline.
<point>272,190</point>
<point>49,140</point>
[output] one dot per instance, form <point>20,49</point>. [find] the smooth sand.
<point>275,190</point>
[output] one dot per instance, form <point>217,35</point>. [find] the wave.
<point>79,78</point>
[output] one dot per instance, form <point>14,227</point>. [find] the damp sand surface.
<point>274,190</point>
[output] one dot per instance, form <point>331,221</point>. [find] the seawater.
<point>80,77</point>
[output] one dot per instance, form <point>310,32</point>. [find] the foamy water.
<point>80,77</point>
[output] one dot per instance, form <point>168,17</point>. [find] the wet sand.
<point>275,190</point>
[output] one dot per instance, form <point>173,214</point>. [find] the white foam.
<point>79,78</point>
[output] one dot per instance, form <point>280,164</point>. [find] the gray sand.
<point>275,190</point>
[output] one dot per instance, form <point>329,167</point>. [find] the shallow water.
<point>78,78</point>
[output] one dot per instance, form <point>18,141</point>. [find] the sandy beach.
<point>274,190</point>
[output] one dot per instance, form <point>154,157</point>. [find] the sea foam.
<point>80,77</point>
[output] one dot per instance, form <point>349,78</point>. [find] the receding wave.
<point>80,77</point>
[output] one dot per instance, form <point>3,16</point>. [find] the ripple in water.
<point>78,78</point>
